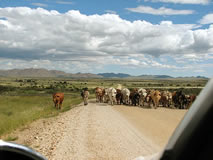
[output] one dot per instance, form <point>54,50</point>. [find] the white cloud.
<point>204,2</point>
<point>207,19</point>
<point>39,4</point>
<point>64,2</point>
<point>199,71</point>
<point>159,11</point>
<point>30,37</point>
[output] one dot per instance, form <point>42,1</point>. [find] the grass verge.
<point>17,111</point>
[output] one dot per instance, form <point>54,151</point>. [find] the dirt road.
<point>100,131</point>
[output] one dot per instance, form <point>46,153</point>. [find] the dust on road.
<point>99,131</point>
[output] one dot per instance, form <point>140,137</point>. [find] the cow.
<point>143,93</point>
<point>134,97</point>
<point>148,98</point>
<point>155,95</point>
<point>99,94</point>
<point>58,100</point>
<point>166,98</point>
<point>85,95</point>
<point>102,95</point>
<point>191,99</point>
<point>112,95</point>
<point>119,96</point>
<point>125,93</point>
<point>179,99</point>
<point>105,96</point>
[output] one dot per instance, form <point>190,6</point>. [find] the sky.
<point>136,37</point>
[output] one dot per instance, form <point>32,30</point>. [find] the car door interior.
<point>193,138</point>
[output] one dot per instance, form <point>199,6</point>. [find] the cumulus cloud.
<point>204,2</point>
<point>207,19</point>
<point>159,11</point>
<point>72,39</point>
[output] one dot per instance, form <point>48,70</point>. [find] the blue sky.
<point>173,37</point>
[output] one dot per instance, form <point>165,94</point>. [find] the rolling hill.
<point>41,72</point>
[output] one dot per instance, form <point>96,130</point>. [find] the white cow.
<point>106,96</point>
<point>125,92</point>
<point>112,95</point>
<point>143,93</point>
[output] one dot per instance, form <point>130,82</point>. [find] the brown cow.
<point>166,98</point>
<point>148,98</point>
<point>191,99</point>
<point>134,97</point>
<point>155,95</point>
<point>99,94</point>
<point>58,99</point>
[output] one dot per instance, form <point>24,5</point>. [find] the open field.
<point>23,100</point>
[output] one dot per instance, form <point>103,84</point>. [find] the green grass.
<point>17,111</point>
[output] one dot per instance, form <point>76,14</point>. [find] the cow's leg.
<point>96,98</point>
<point>99,99</point>
<point>57,105</point>
<point>112,102</point>
<point>60,105</point>
<point>155,104</point>
<point>85,100</point>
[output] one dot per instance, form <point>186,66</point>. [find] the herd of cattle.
<point>136,97</point>
<point>141,96</point>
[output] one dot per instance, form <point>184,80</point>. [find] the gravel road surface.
<point>101,132</point>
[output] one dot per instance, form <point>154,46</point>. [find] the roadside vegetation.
<point>23,100</point>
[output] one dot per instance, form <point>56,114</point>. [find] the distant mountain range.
<point>114,75</point>
<point>31,72</point>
